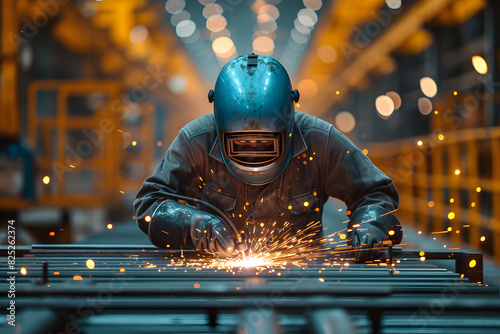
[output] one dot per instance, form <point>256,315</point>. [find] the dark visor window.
<point>253,148</point>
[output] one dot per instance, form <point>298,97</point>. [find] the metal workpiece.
<point>141,288</point>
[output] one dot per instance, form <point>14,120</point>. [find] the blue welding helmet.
<point>254,117</point>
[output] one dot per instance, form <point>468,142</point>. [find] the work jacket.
<point>324,163</point>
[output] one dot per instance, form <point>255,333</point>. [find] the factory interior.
<point>93,92</point>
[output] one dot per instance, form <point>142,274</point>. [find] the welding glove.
<point>177,226</point>
<point>371,225</point>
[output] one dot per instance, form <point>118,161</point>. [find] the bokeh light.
<point>174,6</point>
<point>428,86</point>
<point>327,53</point>
<point>185,28</point>
<point>345,121</point>
<point>424,106</point>
<point>138,34</point>
<point>307,17</point>
<point>384,105</point>
<point>395,98</point>
<point>480,64</point>
<point>393,4</point>
<point>307,88</point>
<point>212,9</point>
<point>313,4</point>
<point>222,45</point>
<point>216,23</point>
<point>263,44</point>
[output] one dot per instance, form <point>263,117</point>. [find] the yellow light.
<point>441,137</point>
<point>46,180</point>
<point>483,238</point>
<point>343,236</point>
<point>298,105</point>
<point>472,263</point>
<point>365,151</point>
<point>480,64</point>
<point>337,92</point>
<point>289,207</point>
<point>321,280</point>
<point>436,112</point>
<point>147,218</point>
<point>391,232</point>
<point>478,189</point>
<point>419,143</point>
<point>422,253</point>
<point>122,270</point>
<point>261,224</point>
<point>110,226</point>
<point>422,258</point>
<point>134,143</point>
<point>419,232</point>
<point>457,172</point>
<point>24,271</point>
<point>449,229</point>
<point>90,264</point>
<point>451,215</point>
<point>473,204</point>
<point>455,93</point>
<point>452,200</point>
<point>306,203</point>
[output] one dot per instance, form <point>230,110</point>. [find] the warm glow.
<point>90,264</point>
<point>110,226</point>
<point>457,171</point>
<point>391,232</point>
<point>216,23</point>
<point>473,204</point>
<point>395,98</point>
<point>419,143</point>
<point>451,215</point>
<point>365,151</point>
<point>424,106</point>
<point>384,105</point>
<point>422,258</point>
<point>77,278</point>
<point>159,143</point>
<point>147,218</point>
<point>134,143</point>
<point>321,279</point>
<point>263,44</point>
<point>422,253</point>
<point>52,234</point>
<point>307,88</point>
<point>46,180</point>
<point>480,64</point>
<point>482,238</point>
<point>441,137</point>
<point>449,229</point>
<point>430,204</point>
<point>472,263</point>
<point>24,271</point>
<point>452,200</point>
<point>306,203</point>
<point>122,270</point>
<point>327,54</point>
<point>196,285</point>
<point>343,236</point>
<point>478,189</point>
<point>428,87</point>
<point>222,45</point>
<point>345,121</point>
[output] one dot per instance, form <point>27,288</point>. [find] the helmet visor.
<point>253,149</point>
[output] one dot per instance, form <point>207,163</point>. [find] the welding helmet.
<point>254,117</point>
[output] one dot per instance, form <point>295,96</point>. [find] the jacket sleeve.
<point>177,173</point>
<point>351,177</point>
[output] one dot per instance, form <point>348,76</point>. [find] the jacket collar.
<point>298,146</point>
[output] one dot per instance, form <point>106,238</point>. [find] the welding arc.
<point>224,217</point>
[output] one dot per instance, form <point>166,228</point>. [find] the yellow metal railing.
<point>64,141</point>
<point>442,179</point>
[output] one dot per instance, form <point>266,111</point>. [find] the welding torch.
<point>240,245</point>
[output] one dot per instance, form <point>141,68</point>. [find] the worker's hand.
<point>366,240</point>
<point>371,225</point>
<point>209,233</point>
<point>177,226</point>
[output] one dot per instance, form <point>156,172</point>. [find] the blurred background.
<point>93,92</point>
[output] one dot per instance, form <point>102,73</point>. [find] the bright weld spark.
<point>270,246</point>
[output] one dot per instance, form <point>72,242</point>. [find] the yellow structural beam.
<point>9,104</point>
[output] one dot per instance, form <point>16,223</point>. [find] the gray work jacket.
<point>324,163</point>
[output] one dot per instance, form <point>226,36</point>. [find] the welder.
<point>255,160</point>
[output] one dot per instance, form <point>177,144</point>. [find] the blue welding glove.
<point>371,225</point>
<point>181,226</point>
